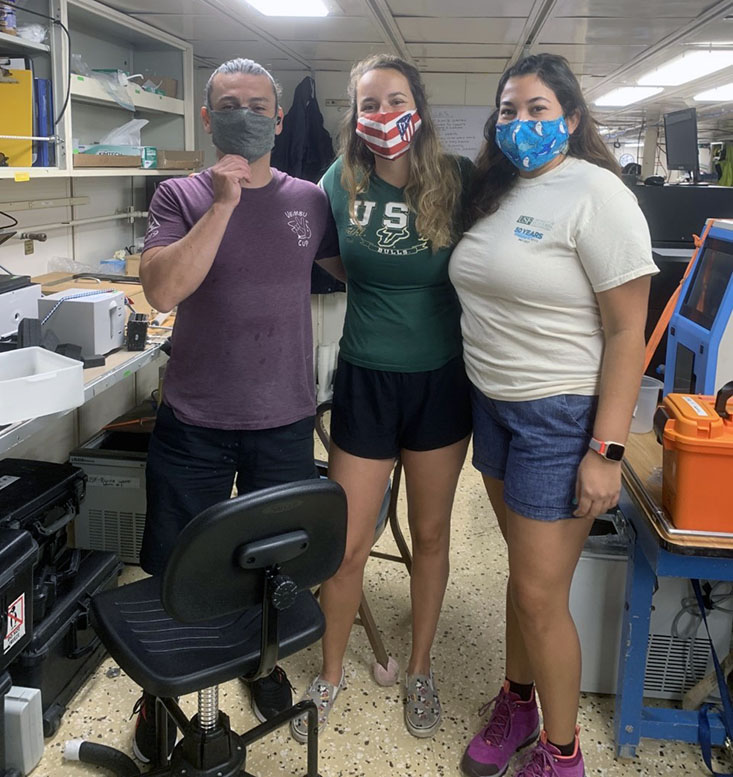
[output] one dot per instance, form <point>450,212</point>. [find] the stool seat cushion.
<point>170,658</point>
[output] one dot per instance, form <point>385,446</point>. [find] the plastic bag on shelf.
<point>80,67</point>
<point>126,135</point>
<point>66,265</point>
<point>115,83</point>
<point>36,33</point>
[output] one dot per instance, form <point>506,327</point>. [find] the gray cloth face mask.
<point>243,132</point>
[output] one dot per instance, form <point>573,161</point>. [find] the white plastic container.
<point>643,419</point>
<point>35,382</point>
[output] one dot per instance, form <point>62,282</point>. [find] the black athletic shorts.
<point>376,413</point>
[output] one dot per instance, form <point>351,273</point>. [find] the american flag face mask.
<point>388,134</point>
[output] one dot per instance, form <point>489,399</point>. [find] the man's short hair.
<point>246,66</point>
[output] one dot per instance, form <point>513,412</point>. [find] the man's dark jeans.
<point>190,468</point>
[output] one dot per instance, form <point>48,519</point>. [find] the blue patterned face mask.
<point>529,144</point>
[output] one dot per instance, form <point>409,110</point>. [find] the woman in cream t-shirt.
<point>553,280</point>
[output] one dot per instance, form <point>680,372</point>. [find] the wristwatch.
<point>613,451</point>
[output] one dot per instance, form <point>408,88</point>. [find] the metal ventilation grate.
<point>119,532</point>
<point>674,665</point>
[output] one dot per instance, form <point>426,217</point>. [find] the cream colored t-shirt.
<point>526,277</point>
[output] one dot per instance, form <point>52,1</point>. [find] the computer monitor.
<point>700,336</point>
<point>709,282</point>
<point>680,132</point>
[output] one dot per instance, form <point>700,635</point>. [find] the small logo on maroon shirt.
<point>298,222</point>
<point>153,226</point>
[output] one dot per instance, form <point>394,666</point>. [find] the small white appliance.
<point>93,320</point>
<point>675,661</point>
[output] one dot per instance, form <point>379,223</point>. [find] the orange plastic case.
<point>697,479</point>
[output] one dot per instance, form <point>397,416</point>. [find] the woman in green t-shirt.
<point>400,387</point>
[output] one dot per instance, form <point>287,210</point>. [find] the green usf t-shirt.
<point>402,313</point>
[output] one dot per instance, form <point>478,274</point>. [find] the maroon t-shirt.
<point>242,353</point>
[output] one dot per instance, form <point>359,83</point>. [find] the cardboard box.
<point>105,160</point>
<point>148,154</point>
<point>132,265</point>
<point>180,160</point>
<point>163,84</point>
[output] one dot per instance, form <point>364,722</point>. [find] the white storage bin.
<point>35,382</point>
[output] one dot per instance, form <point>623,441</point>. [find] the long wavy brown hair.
<point>495,174</point>
<point>433,190</point>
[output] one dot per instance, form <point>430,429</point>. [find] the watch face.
<point>614,451</point>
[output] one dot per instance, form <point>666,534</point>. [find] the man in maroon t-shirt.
<point>232,249</point>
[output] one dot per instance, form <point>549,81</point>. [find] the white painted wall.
<point>86,244</point>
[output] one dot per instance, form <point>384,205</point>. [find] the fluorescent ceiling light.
<point>626,95</point>
<point>290,7</point>
<point>688,67</point>
<point>721,94</point>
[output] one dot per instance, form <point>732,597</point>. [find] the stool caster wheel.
<point>386,676</point>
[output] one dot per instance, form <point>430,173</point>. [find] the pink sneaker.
<point>513,724</point>
<point>545,761</point>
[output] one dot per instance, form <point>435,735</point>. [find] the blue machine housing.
<point>700,337</point>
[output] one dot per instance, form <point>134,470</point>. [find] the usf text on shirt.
<point>527,276</point>
<point>402,313</point>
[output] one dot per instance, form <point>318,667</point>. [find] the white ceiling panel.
<point>197,27</point>
<point>454,8</point>
<point>228,49</point>
<point>577,53</point>
<point>506,30</point>
<point>337,29</point>
<point>461,49</point>
<point>350,52</point>
<point>607,31</point>
<point>332,65</point>
<point>715,31</point>
<point>648,9</point>
<point>586,82</point>
<point>431,65</point>
<point>160,6</point>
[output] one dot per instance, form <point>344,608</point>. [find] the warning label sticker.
<point>16,623</point>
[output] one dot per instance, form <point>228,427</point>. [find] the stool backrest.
<point>218,564</point>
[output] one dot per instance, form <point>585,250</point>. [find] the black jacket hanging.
<point>304,148</point>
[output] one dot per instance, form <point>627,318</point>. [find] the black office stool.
<point>233,598</point>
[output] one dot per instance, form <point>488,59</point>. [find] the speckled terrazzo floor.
<point>366,737</point>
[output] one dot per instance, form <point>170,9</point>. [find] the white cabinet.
<point>103,38</point>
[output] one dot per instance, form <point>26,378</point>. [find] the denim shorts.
<point>535,447</point>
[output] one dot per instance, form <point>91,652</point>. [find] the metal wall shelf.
<point>120,365</point>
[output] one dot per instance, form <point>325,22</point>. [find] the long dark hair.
<point>434,186</point>
<point>495,174</point>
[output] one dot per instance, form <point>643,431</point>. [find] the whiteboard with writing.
<point>461,127</point>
